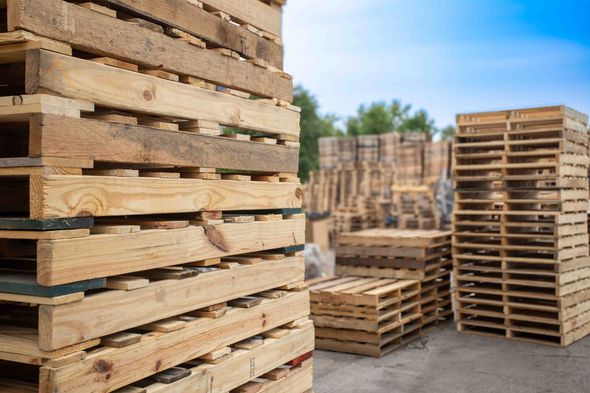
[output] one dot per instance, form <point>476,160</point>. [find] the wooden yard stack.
<point>394,285</point>
<point>144,245</point>
<point>379,180</point>
<point>520,231</point>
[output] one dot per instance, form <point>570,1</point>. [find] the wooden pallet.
<point>129,245</point>
<point>392,253</point>
<point>520,231</point>
<point>176,39</point>
<point>364,315</point>
<point>81,319</point>
<point>368,344</point>
<point>207,354</point>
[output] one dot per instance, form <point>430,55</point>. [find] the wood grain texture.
<point>61,136</point>
<point>61,262</point>
<point>236,370</point>
<point>122,89</point>
<point>84,29</point>
<point>71,196</point>
<point>108,312</point>
<point>192,19</point>
<point>253,12</point>
<point>160,351</point>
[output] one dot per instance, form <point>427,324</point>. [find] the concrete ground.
<point>446,362</point>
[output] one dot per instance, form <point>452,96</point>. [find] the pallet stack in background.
<point>143,245</point>
<point>372,181</point>
<point>520,231</point>
<point>392,287</point>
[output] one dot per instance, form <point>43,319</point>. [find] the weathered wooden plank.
<point>122,89</point>
<point>61,136</point>
<point>160,351</point>
<point>192,19</point>
<point>108,312</point>
<point>84,29</point>
<point>108,255</point>
<point>71,196</point>
<point>25,284</point>
<point>253,12</point>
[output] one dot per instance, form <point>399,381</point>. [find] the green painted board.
<point>26,284</point>
<point>27,224</point>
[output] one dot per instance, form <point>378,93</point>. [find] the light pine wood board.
<point>243,365</point>
<point>59,262</point>
<point>127,90</point>
<point>85,139</point>
<point>82,29</point>
<point>160,351</point>
<point>190,18</point>
<point>72,196</point>
<point>108,312</point>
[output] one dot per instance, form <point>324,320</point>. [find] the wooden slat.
<point>127,90</point>
<point>71,196</point>
<point>253,12</point>
<point>70,323</point>
<point>82,29</point>
<point>61,136</point>
<point>161,351</point>
<point>109,255</point>
<point>192,19</point>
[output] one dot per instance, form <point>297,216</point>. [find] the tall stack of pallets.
<point>520,231</point>
<point>347,310</point>
<point>144,246</point>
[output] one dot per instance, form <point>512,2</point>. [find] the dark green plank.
<point>27,224</point>
<point>26,284</point>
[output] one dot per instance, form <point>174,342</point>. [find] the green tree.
<point>377,118</point>
<point>418,122</point>
<point>313,126</point>
<point>447,133</point>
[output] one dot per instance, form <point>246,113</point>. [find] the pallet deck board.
<point>83,320</point>
<point>71,196</point>
<point>116,88</point>
<point>135,44</point>
<point>108,255</point>
<point>160,351</point>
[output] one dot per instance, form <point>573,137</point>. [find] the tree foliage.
<point>313,126</point>
<point>447,133</point>
<point>382,118</point>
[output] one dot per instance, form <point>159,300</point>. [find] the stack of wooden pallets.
<point>393,286</point>
<point>414,207</point>
<point>366,316</point>
<point>520,244</point>
<point>144,246</point>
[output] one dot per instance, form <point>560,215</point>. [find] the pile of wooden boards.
<point>520,232</point>
<point>145,246</point>
<point>393,285</point>
<point>372,181</point>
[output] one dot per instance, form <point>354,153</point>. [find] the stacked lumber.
<point>437,161</point>
<point>368,148</point>
<point>329,152</point>
<point>414,207</point>
<point>366,316</point>
<point>385,164</point>
<point>144,244</point>
<point>520,231</point>
<point>363,311</point>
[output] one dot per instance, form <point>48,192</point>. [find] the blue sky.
<point>446,56</point>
